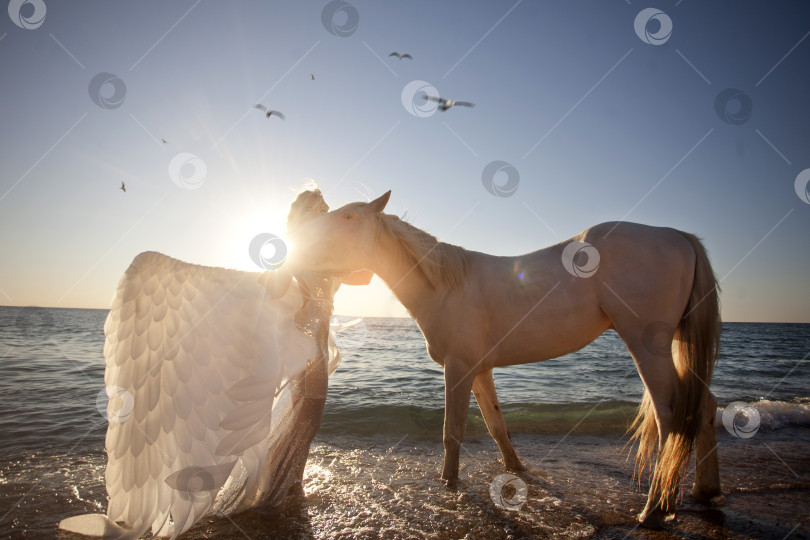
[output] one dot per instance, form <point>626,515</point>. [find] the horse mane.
<point>442,264</point>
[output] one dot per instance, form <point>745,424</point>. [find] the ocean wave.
<point>764,414</point>
<point>596,418</point>
<point>599,417</point>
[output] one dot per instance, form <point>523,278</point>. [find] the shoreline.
<point>386,487</point>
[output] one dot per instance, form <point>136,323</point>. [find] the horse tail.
<point>697,346</point>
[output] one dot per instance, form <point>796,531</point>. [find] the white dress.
<point>205,374</point>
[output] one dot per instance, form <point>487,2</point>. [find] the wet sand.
<point>379,487</point>
<point>389,487</point>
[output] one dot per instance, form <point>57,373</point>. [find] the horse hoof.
<point>653,519</point>
<point>452,482</point>
<point>516,466</point>
<point>533,475</point>
<point>538,474</point>
<point>708,496</point>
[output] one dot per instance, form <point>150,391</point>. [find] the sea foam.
<point>766,414</point>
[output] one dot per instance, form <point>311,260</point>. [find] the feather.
<point>94,525</point>
<point>195,356</point>
<point>253,388</point>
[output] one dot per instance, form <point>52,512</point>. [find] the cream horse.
<point>654,286</point>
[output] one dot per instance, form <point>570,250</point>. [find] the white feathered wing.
<point>196,360</point>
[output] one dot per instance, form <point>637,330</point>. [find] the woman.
<point>300,425</point>
<point>216,382</point>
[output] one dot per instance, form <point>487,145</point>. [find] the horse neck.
<point>403,276</point>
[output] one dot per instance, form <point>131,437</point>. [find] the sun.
<point>373,300</point>
<point>258,241</point>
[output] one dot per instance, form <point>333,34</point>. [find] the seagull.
<point>400,56</point>
<point>447,103</point>
<point>268,112</point>
<point>123,187</point>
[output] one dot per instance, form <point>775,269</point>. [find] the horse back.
<point>546,303</point>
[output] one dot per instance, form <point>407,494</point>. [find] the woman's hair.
<point>307,205</point>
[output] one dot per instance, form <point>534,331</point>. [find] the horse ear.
<point>378,204</point>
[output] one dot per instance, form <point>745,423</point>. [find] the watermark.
<point>115,404</point>
<point>267,251</point>
<point>580,259</point>
<point>200,483</point>
<point>107,90</point>
<point>802,184</point>
<point>657,338</point>
<point>741,419</point>
<point>508,491</point>
<point>733,106</point>
<point>188,171</point>
<point>34,323</point>
<point>340,18</point>
<point>28,14</point>
<point>506,188</point>
<point>656,19</point>
<point>416,99</point>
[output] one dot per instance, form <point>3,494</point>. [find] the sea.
<point>374,467</point>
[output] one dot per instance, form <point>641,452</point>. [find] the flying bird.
<point>164,141</point>
<point>445,104</point>
<point>268,112</point>
<point>400,56</point>
<point>123,187</point>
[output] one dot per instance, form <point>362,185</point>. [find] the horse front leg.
<point>484,391</point>
<point>458,381</point>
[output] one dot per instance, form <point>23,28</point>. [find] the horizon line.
<point>379,316</point>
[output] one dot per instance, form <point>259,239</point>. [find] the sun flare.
<point>266,229</point>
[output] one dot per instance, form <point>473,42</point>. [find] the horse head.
<point>339,242</point>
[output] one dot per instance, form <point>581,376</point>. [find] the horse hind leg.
<point>657,371</point>
<point>707,474</point>
<point>484,391</point>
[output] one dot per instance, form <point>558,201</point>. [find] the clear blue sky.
<point>600,125</point>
